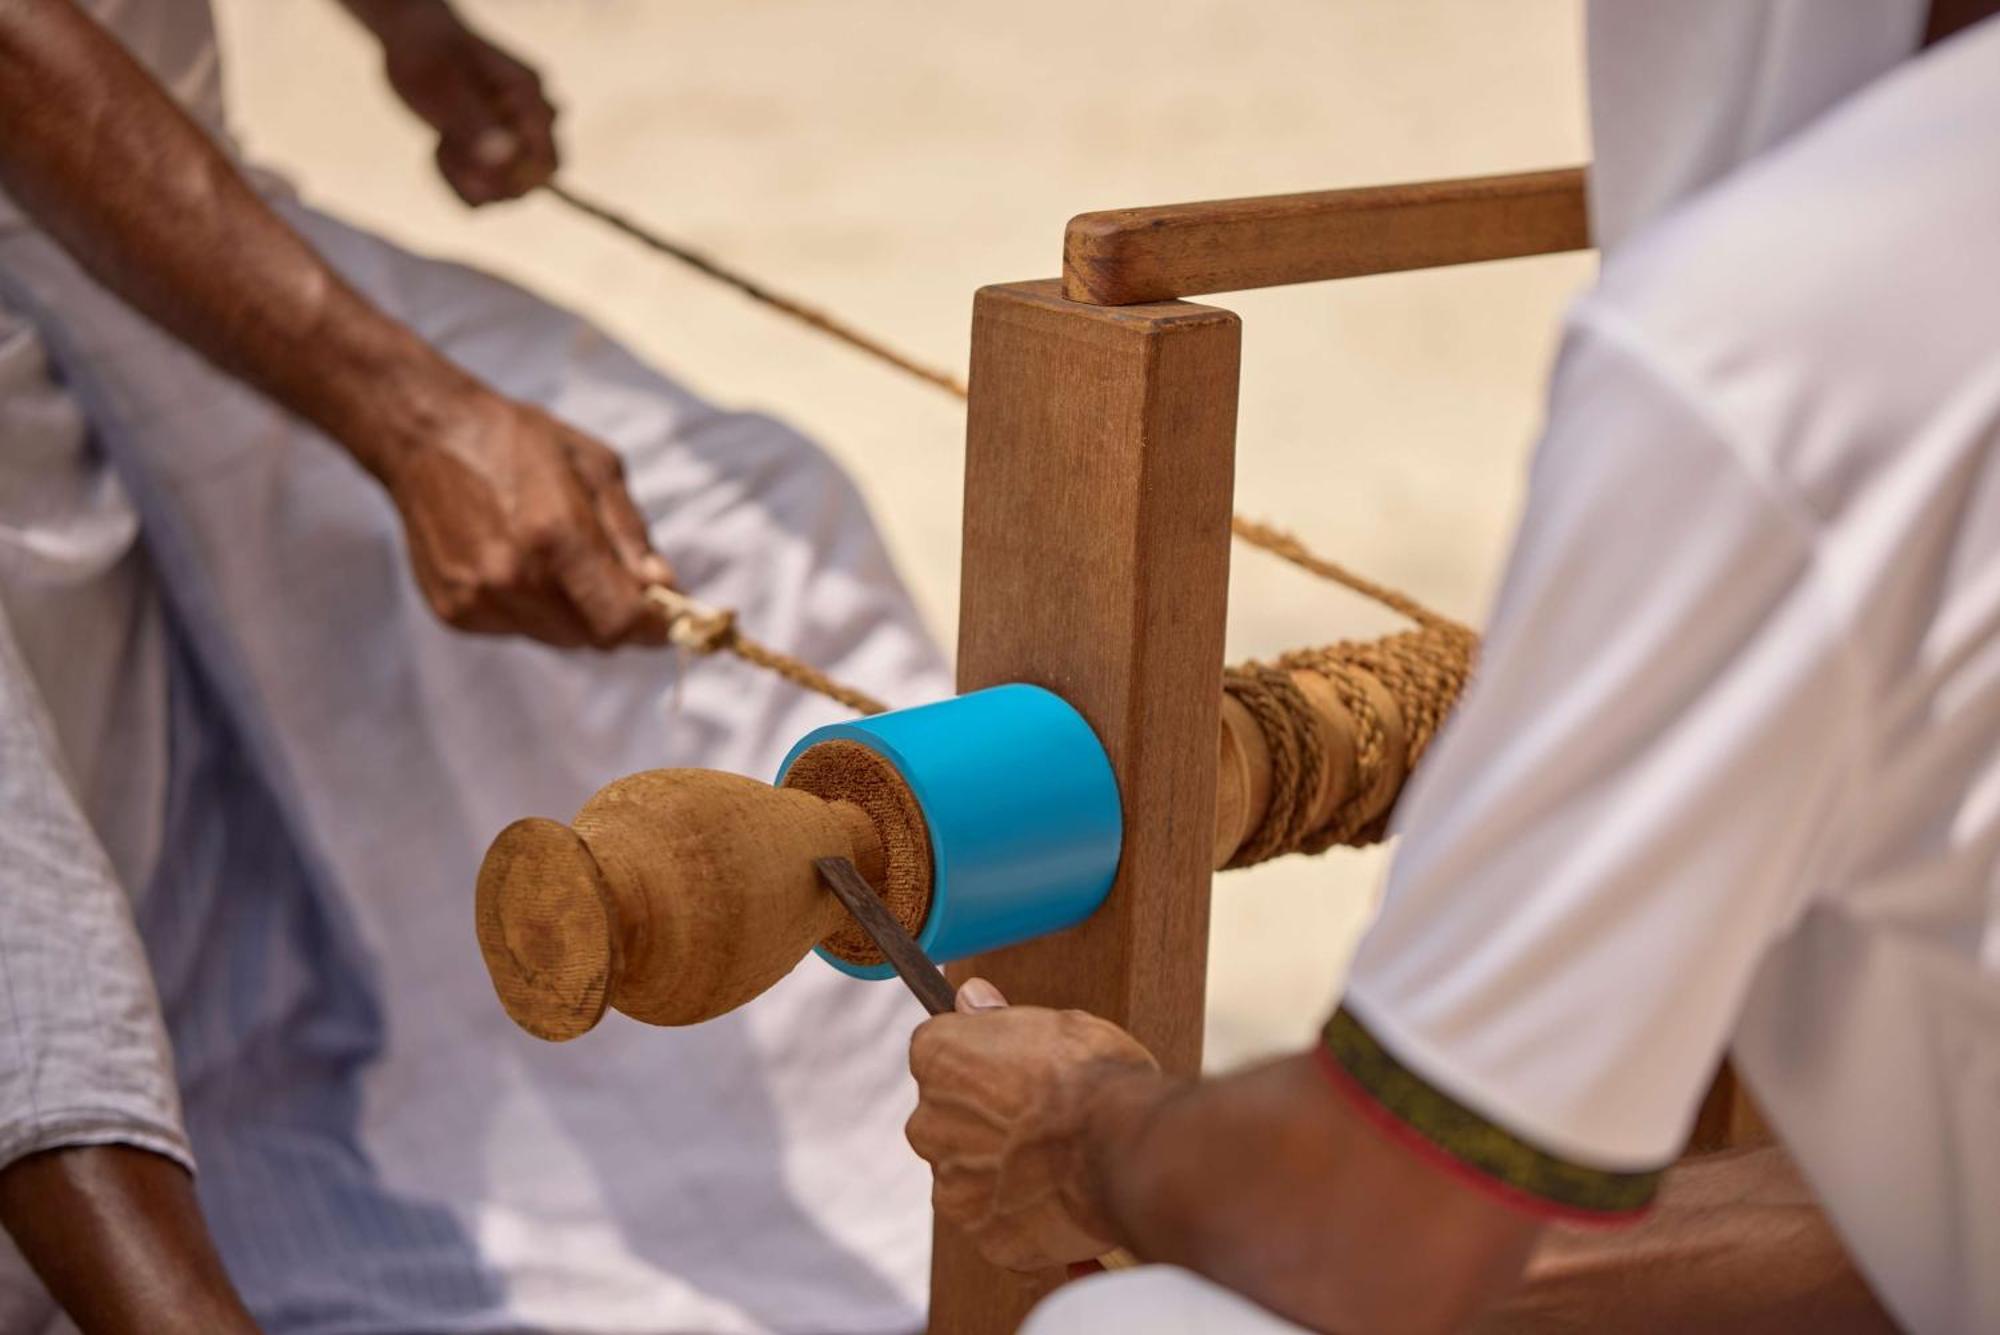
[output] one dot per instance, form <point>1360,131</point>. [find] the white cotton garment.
<point>1682,93</point>
<point>1157,1299</point>
<point>1729,775</point>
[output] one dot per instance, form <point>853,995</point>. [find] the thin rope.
<point>701,629</point>
<point>756,291</point>
<point>1287,547</point>
<point>1423,670</point>
<point>1273,540</point>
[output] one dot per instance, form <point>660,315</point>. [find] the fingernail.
<point>494,147</point>
<point>656,570</point>
<point>979,995</point>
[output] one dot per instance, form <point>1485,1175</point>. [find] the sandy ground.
<point>883,158</point>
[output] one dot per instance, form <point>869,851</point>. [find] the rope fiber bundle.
<point>1422,671</point>
<point>702,629</point>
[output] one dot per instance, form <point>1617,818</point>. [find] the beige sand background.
<point>883,158</point>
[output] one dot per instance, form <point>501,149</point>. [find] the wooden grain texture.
<point>1099,454</point>
<point>1122,256</point>
<point>844,771</point>
<point>1728,1118</point>
<point>675,896</point>
<point>546,925</point>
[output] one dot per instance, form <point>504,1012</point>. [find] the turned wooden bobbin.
<point>677,895</point>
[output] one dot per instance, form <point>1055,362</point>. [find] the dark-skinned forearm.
<point>117,1237</point>
<point>1736,1243</point>
<point>1268,1182</point>
<point>106,163</point>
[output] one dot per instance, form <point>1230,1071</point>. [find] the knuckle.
<point>925,1042</point>
<point>606,639</point>
<point>455,600</point>
<point>500,577</point>
<point>598,464</point>
<point>545,538</point>
<point>612,620</point>
<point>499,565</point>
<point>925,1131</point>
<point>962,1195</point>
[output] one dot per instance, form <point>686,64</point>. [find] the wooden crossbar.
<point>1122,256</point>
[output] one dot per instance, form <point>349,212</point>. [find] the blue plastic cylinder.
<point>1022,807</point>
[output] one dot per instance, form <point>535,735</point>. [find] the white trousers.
<point>744,1175</point>
<point>1156,1299</point>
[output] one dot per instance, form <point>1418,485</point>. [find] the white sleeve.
<point>83,1051</point>
<point>1628,807</point>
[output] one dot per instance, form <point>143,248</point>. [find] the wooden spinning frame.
<point>1100,442</point>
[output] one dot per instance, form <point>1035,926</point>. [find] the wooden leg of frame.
<point>1728,1119</point>
<point>1099,456</point>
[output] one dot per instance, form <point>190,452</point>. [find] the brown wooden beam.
<point>1123,256</point>
<point>1099,455</point>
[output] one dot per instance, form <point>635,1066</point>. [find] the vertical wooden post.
<point>1100,446</point>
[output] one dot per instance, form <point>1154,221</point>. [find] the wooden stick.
<point>1122,256</point>
<point>1099,454</point>
<point>924,979</point>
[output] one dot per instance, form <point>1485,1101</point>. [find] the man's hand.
<point>496,129</point>
<point>519,525</point>
<point>1005,1096</point>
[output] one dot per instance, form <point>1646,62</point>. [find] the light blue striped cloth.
<point>379,1149</point>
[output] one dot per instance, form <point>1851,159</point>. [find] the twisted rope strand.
<point>1423,670</point>
<point>1276,541</point>
<point>1287,547</point>
<point>757,292</point>
<point>704,630</point>
<point>1297,763</point>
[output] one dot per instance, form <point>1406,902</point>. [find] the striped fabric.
<point>271,1007</point>
<point>1467,1143</point>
